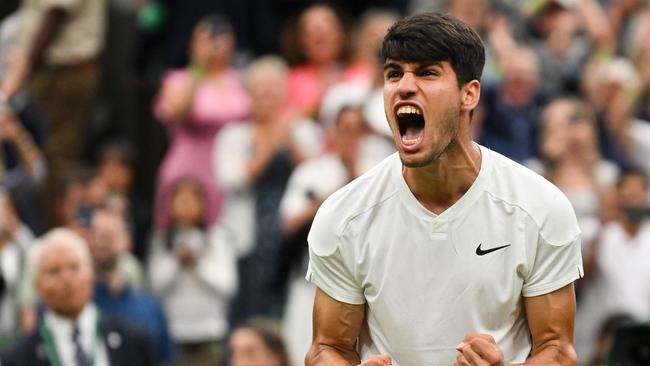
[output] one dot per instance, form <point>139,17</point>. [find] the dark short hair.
<point>431,37</point>
<point>216,24</point>
<point>120,150</point>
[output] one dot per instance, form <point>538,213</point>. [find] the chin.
<point>415,161</point>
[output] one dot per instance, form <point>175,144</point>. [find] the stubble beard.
<point>449,133</point>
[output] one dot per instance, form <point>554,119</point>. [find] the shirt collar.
<point>61,327</point>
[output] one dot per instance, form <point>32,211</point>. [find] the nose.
<point>407,85</point>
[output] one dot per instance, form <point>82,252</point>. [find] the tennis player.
<point>446,253</point>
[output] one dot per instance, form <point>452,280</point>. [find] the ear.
<point>470,95</point>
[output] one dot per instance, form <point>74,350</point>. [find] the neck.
<point>110,276</point>
<point>264,120</point>
<point>442,183</point>
<point>216,68</point>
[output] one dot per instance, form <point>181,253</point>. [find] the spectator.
<point>116,167</point>
<point>570,32</point>
<point>258,343</point>
<point>254,160</point>
<point>195,103</point>
<point>311,182</point>
<point>72,331</point>
<point>613,90</point>
<point>58,46</point>
<point>512,107</point>
<point>81,194</point>
<point>112,293</point>
<point>572,161</point>
<point>193,271</point>
<point>366,87</point>
<point>15,240</point>
<point>317,48</point>
<point>368,35</point>
<point>616,266</point>
<point>639,54</point>
<point>606,338</point>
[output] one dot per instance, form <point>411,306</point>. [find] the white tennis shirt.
<point>428,280</point>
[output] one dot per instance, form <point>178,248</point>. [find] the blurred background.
<point>190,143</point>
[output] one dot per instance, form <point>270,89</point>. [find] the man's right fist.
<point>377,360</point>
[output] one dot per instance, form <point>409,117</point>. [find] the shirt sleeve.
<point>62,4</point>
<point>329,267</point>
<point>557,258</point>
<point>555,266</point>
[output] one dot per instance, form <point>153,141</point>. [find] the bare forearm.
<point>597,24</point>
<point>178,102</point>
<point>258,163</point>
<point>28,151</point>
<point>322,355</point>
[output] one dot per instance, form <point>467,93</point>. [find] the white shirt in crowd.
<point>195,298</point>
<point>233,147</point>
<point>430,279</point>
<point>621,284</point>
<point>12,259</point>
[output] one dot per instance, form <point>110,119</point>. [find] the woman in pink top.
<point>195,103</point>
<point>317,48</point>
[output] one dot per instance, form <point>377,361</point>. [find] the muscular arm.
<point>550,319</point>
<point>336,328</point>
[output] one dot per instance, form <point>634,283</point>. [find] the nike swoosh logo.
<point>480,251</point>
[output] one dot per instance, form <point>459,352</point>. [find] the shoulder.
<point>517,186</point>
<point>145,302</point>
<point>357,197</point>
<point>176,76</point>
<point>128,341</point>
<point>111,325</point>
<point>24,351</point>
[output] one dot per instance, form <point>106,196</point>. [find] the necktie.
<point>79,354</point>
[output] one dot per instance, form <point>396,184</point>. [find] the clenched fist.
<point>377,360</point>
<point>479,350</point>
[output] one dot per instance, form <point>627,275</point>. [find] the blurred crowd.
<point>161,161</point>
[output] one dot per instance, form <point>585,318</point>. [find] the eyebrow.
<point>418,65</point>
<point>392,65</point>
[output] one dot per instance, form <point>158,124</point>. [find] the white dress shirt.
<point>60,328</point>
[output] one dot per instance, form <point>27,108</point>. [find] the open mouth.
<point>411,124</point>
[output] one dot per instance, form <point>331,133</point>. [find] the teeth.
<point>409,142</point>
<point>408,109</point>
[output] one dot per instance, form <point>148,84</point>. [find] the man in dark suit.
<point>72,331</point>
